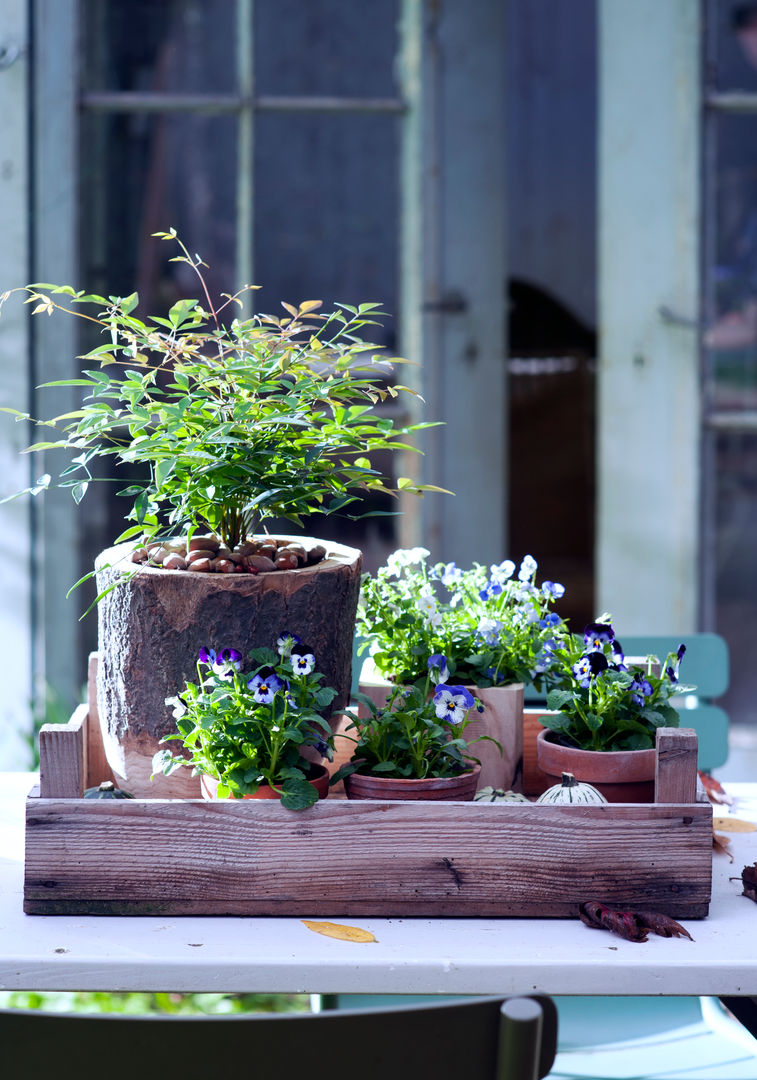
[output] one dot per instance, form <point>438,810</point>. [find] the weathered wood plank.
<point>62,757</point>
<point>676,766</point>
<point>367,858</point>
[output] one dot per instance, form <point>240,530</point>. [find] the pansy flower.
<point>452,703</point>
<point>597,635</point>
<point>285,642</point>
<point>488,631</point>
<point>527,568</point>
<point>265,685</point>
<point>438,668</point>
<point>503,571</point>
<point>640,688</point>
<point>553,589</point>
<point>491,589</point>
<point>302,660</point>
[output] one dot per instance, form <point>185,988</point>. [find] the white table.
<point>413,956</point>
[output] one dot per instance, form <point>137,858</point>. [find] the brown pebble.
<point>157,555</point>
<point>247,547</point>
<point>224,566</point>
<point>260,563</point>
<point>286,560</point>
<point>140,555</point>
<point>173,561</point>
<point>316,554</point>
<point>200,553</point>
<point>298,550</point>
<point>203,566</point>
<point>235,557</point>
<point>204,543</point>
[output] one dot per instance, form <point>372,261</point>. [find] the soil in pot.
<point>460,788</point>
<point>319,778</point>
<point>623,776</point>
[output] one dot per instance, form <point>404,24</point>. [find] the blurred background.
<point>555,200</point>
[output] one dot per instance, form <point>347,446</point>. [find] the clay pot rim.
<point>601,766</point>
<point>319,771</point>
<point>414,782</point>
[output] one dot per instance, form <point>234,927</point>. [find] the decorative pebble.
<point>173,561</point>
<point>204,543</point>
<point>200,553</point>
<point>202,566</point>
<point>286,560</point>
<point>205,554</point>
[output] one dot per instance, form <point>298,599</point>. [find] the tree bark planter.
<point>623,776</point>
<point>502,719</point>
<point>319,780</point>
<point>154,622</point>
<point>460,788</point>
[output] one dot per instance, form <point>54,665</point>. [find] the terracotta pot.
<point>460,788</point>
<point>319,780</point>
<point>152,626</point>
<point>502,719</point>
<point>623,776</point>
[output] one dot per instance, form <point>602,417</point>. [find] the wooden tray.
<point>342,858</point>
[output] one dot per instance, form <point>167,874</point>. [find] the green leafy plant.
<point>604,703</point>
<point>250,729</point>
<point>234,421</point>
<point>417,734</point>
<point>493,625</point>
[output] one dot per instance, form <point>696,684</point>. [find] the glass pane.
<point>166,46</point>
<point>731,278</point>
<point>736,568</point>
<point>322,47</point>
<point>326,211</point>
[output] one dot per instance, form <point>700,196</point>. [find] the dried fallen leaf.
<point>337,930</point>
<point>723,844</point>
<point>732,824</point>
<point>749,879</point>
<point>631,925</point>
<point>716,793</point>
<point>662,925</point>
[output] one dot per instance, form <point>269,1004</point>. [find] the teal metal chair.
<point>472,1039</point>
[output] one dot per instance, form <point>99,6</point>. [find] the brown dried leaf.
<point>662,925</point>
<point>722,844</point>
<point>749,879</point>
<point>716,793</point>
<point>631,925</point>
<point>733,824</point>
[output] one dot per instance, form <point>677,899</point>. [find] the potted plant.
<point>246,735</point>
<point>495,626</point>
<point>414,745</point>
<point>228,422</point>
<point>606,714</point>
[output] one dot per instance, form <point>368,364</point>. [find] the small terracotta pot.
<point>460,788</point>
<point>319,780</point>
<point>623,776</point>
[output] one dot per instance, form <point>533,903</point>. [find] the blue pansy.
<point>264,686</point>
<point>597,635</point>
<point>438,668</point>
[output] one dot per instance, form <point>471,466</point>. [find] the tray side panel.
<point>363,858</point>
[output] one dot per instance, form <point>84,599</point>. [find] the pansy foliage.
<point>605,703</point>
<point>247,729</point>
<point>494,625</point>
<point>419,733</point>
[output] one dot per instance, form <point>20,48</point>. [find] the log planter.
<point>152,625</point>
<point>362,858</point>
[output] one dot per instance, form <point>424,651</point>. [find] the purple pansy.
<point>597,635</point>
<point>438,668</point>
<point>452,703</point>
<point>265,685</point>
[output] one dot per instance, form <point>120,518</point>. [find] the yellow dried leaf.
<point>337,930</point>
<point>731,824</point>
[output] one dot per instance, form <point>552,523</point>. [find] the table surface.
<point>410,955</point>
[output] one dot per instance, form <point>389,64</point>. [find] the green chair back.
<point>473,1039</point>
